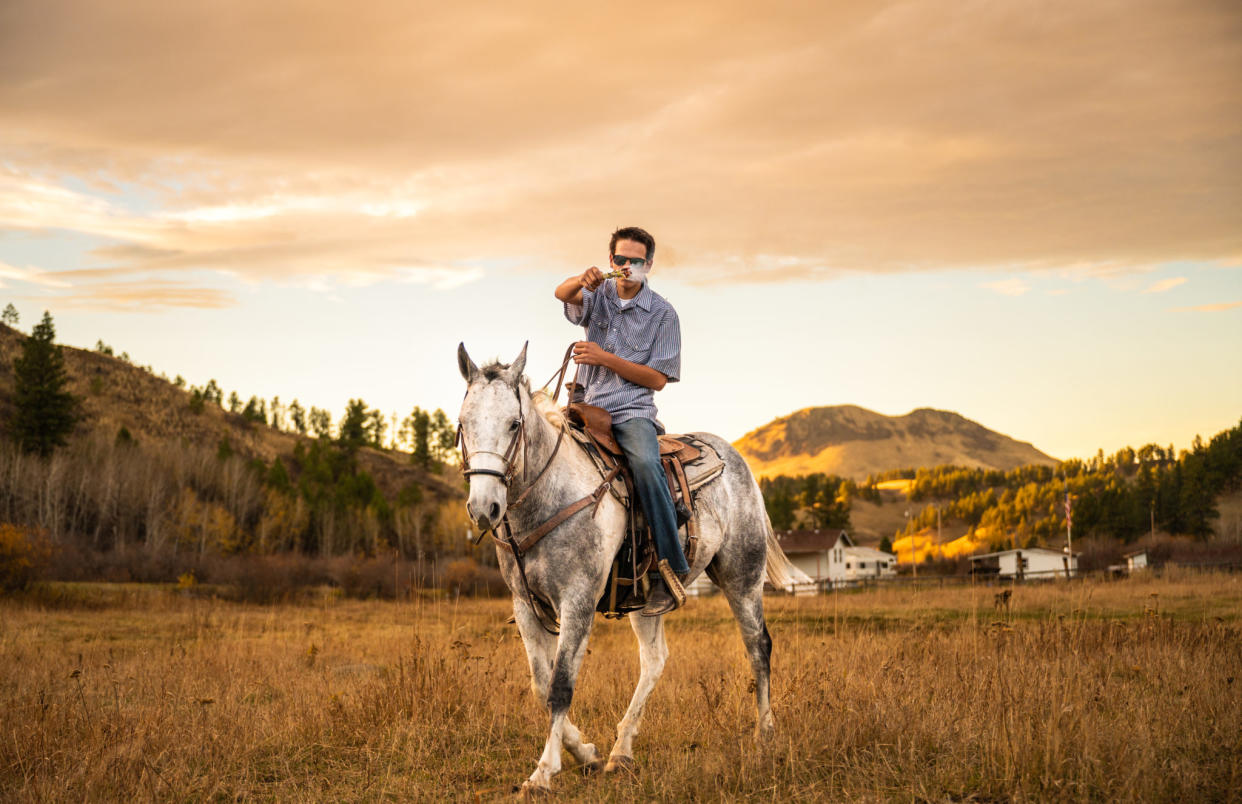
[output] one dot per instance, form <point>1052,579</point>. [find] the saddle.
<point>689,464</point>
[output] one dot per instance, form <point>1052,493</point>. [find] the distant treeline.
<point>1121,496</point>
<point>98,492</point>
<point>821,500</point>
<point>102,494</point>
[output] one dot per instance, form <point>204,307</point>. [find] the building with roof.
<point>1029,562</point>
<point>830,556</point>
<point>1136,560</point>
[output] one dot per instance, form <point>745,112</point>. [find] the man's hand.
<point>570,291</point>
<point>591,278</point>
<point>590,353</point>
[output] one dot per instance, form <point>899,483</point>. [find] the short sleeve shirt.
<point>646,331</point>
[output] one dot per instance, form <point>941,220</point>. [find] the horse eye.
<point>513,425</point>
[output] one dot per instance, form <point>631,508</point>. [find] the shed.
<point>1030,562</point>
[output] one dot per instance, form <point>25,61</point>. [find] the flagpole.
<point>1069,525</point>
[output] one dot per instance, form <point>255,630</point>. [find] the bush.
<point>24,557</point>
<point>463,576</point>
<point>264,579</point>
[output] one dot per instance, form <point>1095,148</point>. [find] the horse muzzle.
<point>486,515</point>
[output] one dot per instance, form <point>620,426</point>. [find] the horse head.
<point>492,422</point>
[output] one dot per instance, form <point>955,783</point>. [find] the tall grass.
<point>1103,691</point>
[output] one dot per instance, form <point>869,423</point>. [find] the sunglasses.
<point>621,262</point>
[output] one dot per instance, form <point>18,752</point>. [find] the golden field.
<point>1093,690</point>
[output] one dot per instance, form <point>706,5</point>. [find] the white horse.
<point>520,473</point>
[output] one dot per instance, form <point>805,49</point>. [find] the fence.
<point>825,586</point>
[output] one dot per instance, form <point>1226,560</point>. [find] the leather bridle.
<point>507,459</point>
<point>519,443</point>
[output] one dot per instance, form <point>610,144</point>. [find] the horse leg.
<point>747,604</point>
<point>652,653</point>
<point>540,652</point>
<point>554,664</point>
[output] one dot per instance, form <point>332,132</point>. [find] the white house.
<point>1030,562</point>
<point>830,556</point>
<point>1136,560</point>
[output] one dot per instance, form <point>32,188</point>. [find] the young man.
<point>633,348</point>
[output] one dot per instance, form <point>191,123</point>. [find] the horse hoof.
<point>532,792</point>
<point>594,766</point>
<point>621,763</point>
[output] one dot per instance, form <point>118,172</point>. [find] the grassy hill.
<point>154,471</point>
<point>850,441</point>
<point>116,394</point>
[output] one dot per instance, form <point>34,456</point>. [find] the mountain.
<point>850,441</point>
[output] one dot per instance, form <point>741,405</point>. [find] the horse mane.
<point>543,403</point>
<point>494,370</point>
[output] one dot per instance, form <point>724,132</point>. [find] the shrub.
<point>463,576</point>
<point>24,556</point>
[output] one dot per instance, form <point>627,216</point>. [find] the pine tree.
<point>354,424</point>
<point>298,415</point>
<point>10,316</point>
<point>46,413</point>
<point>418,427</point>
<point>445,437</point>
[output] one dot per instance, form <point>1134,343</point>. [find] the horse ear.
<point>469,371</point>
<point>515,370</point>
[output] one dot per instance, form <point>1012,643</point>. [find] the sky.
<point>1026,212</point>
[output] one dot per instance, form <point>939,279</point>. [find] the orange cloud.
<point>140,296</point>
<point>282,142</point>
<point>1165,284</point>
<point>1209,308</point>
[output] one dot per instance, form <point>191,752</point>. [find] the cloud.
<point>1008,287</point>
<point>31,275</point>
<point>142,297</point>
<point>1166,284</point>
<point>1209,308</point>
<point>282,142</point>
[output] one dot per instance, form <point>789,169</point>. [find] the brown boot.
<point>667,596</point>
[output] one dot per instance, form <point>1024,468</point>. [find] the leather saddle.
<point>597,422</point>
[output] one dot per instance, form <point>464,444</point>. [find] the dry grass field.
<point>1126,690</point>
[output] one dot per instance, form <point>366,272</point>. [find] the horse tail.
<point>781,572</point>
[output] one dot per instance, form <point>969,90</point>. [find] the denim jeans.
<point>637,439</point>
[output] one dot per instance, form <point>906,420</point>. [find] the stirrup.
<point>676,593</point>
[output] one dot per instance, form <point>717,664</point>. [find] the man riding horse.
<point>633,348</point>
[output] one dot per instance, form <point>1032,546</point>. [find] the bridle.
<point>519,443</point>
<point>507,459</point>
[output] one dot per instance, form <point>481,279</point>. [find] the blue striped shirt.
<point>646,331</point>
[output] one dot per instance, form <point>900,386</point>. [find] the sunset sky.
<point>1026,212</point>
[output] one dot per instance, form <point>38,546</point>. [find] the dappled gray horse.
<point>519,468</point>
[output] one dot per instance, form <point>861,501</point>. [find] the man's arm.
<point>592,354</point>
<point>570,291</point>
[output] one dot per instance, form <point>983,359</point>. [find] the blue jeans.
<point>637,439</point>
